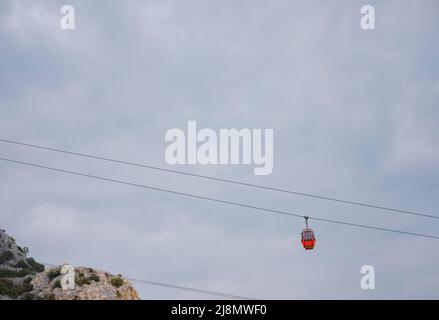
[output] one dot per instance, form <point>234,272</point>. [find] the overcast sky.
<point>355,115</point>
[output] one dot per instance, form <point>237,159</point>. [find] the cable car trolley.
<point>308,238</point>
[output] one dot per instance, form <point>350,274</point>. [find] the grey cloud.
<point>354,116</point>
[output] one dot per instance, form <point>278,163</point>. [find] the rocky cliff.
<point>21,277</point>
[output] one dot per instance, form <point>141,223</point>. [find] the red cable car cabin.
<point>308,239</point>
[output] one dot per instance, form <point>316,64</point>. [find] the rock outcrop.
<point>90,284</point>
<point>22,277</point>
